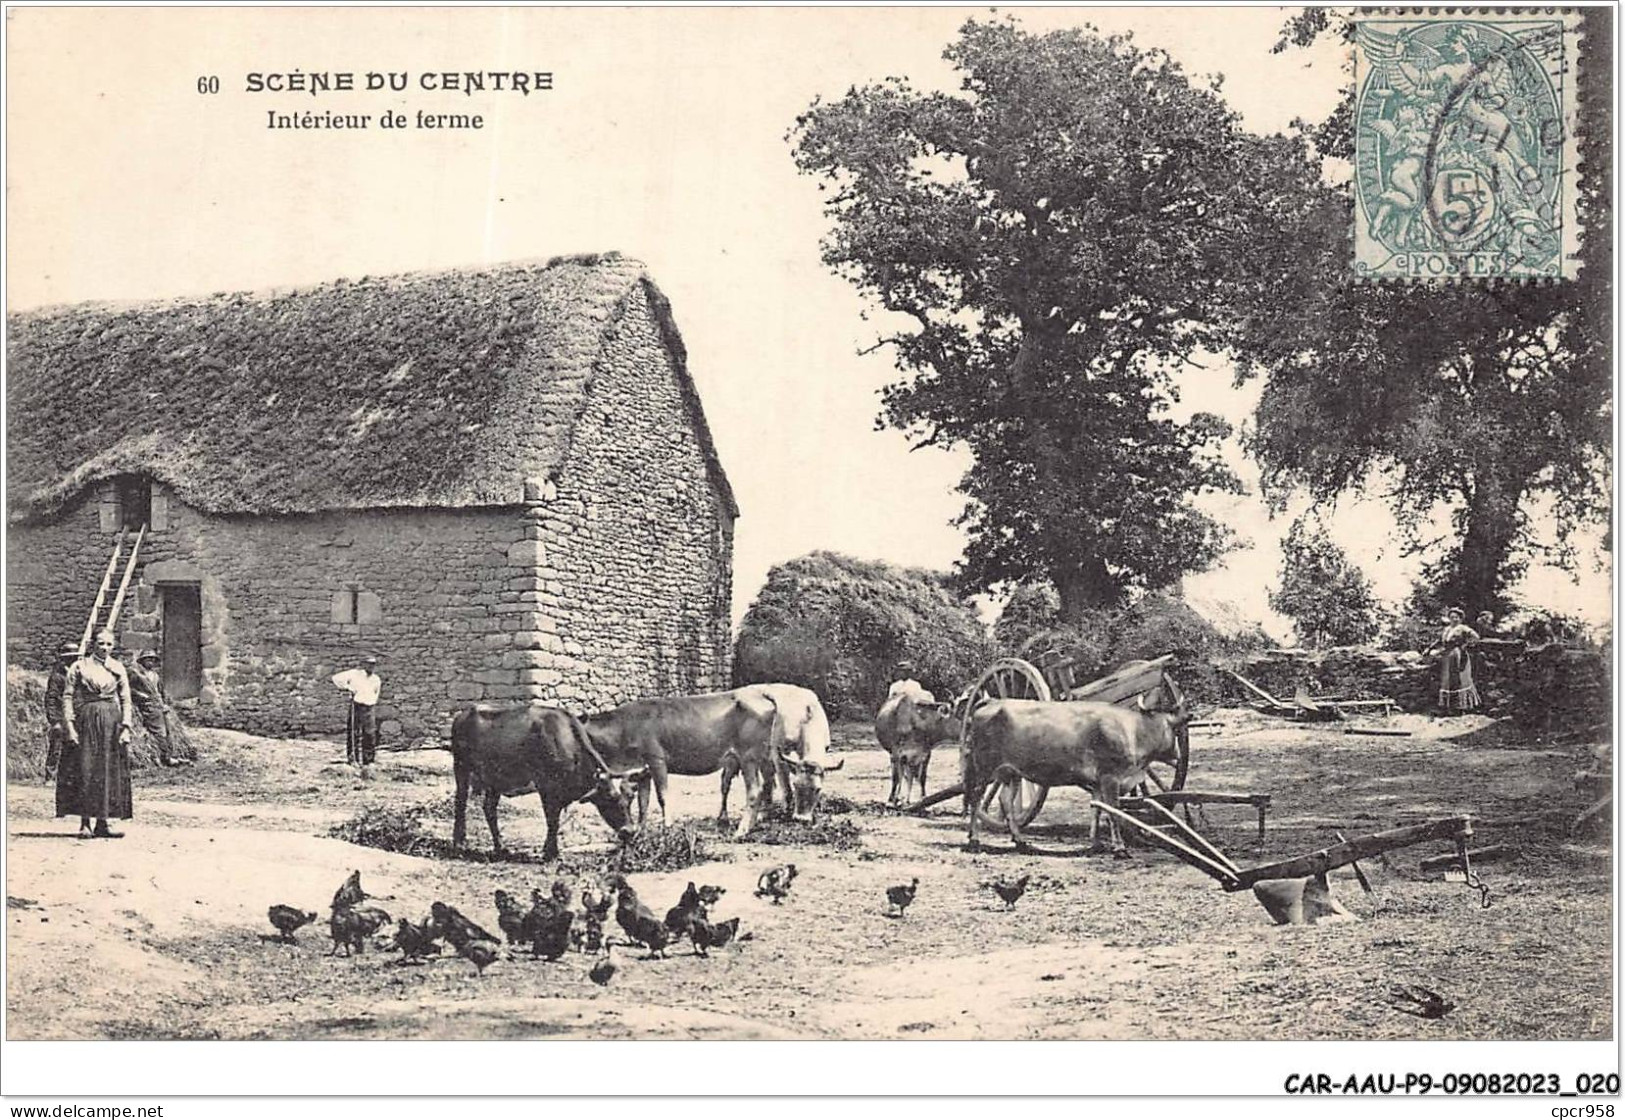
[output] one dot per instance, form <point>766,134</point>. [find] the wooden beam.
<point>1392,732</point>
<point>1340,855</point>
<point>1486,854</point>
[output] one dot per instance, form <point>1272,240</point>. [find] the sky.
<point>664,138</point>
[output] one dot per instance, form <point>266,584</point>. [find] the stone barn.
<point>498,480</point>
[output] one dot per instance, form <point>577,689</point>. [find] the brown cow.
<point>505,752</point>
<point>1104,748</point>
<point>727,731</point>
<point>908,725</point>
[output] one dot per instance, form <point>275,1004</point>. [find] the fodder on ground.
<point>402,829</point>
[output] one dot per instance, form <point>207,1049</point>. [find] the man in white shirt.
<point>361,736</point>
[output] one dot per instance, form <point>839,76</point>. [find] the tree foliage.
<point>1488,401</point>
<point>1053,240</point>
<point>848,628</point>
<point>1322,591</point>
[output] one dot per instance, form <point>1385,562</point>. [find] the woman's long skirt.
<point>1457,693</point>
<point>93,779</point>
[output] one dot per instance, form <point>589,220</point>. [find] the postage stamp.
<point>1465,156</point>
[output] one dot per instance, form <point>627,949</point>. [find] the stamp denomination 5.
<point>1464,147</point>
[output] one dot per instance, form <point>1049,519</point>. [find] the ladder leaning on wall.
<point>107,581</point>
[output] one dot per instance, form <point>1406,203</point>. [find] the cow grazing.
<point>1105,748</point>
<point>908,725</point>
<point>506,752</point>
<point>728,731</point>
<point>800,752</point>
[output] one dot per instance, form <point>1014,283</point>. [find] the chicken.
<point>547,926</point>
<point>286,919</point>
<point>638,920</point>
<point>561,893</point>
<point>1011,891</point>
<point>775,882</point>
<point>689,909</point>
<point>416,941</point>
<point>350,926</point>
<point>482,953</point>
<point>605,968</point>
<point>1413,999</point>
<point>450,924</point>
<point>711,935</point>
<point>594,913</point>
<point>510,918</point>
<point>350,894</point>
<point>900,897</point>
<point>344,928</point>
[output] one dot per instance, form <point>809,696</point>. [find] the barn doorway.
<point>183,640</point>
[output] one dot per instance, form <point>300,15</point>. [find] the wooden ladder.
<point>107,581</point>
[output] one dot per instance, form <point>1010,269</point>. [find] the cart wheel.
<point>1009,678</point>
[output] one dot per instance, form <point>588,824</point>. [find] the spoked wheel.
<point>1009,678</point>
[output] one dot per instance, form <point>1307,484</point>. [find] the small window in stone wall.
<point>133,502</point>
<point>353,606</point>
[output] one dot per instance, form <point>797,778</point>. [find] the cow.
<point>1104,748</point>
<point>908,725</point>
<point>800,751</point>
<point>728,731</point>
<point>506,752</point>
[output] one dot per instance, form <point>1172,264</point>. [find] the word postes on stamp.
<point>1465,161</point>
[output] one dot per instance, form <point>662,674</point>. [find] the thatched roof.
<point>425,390</point>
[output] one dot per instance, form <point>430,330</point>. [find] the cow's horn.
<point>1139,702</point>
<point>829,768</point>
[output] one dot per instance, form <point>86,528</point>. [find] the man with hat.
<point>361,734</point>
<point>56,734</point>
<point>147,694</point>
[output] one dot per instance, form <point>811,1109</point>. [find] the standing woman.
<point>1457,693</point>
<point>94,777</point>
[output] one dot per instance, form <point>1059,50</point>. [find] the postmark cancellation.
<point>1465,155</point>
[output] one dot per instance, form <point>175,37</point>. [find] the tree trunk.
<point>1083,587</point>
<point>1481,568</point>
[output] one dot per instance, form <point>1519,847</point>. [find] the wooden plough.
<point>1290,879</point>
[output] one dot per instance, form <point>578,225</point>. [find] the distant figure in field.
<point>1457,693</point>
<point>361,733</point>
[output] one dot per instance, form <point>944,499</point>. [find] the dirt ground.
<point>163,934</point>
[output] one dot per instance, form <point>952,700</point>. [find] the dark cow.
<point>692,735</point>
<point>908,725</point>
<point>506,752</point>
<point>1105,748</point>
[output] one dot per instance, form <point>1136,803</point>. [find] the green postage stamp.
<point>1465,163</point>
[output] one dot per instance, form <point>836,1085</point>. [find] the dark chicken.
<point>1011,891</point>
<point>450,924</point>
<point>638,920</point>
<point>510,917</point>
<point>712,935</point>
<point>286,919</point>
<point>900,897</point>
<point>416,941</point>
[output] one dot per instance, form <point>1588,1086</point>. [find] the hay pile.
<point>25,730</point>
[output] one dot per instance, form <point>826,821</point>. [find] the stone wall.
<point>639,542</point>
<point>276,596</point>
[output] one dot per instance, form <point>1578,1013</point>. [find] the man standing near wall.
<point>361,735</point>
<point>147,694</point>
<point>56,734</point>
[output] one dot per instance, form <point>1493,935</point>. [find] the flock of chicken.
<point>551,928</point>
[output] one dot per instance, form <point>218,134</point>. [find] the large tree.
<point>1053,240</point>
<point>1485,402</point>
